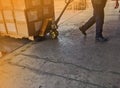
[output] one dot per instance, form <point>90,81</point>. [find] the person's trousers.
<point>98,18</point>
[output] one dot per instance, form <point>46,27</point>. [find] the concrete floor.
<point>71,61</point>
<point>9,44</point>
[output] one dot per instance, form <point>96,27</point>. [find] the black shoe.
<point>83,32</point>
<point>101,39</point>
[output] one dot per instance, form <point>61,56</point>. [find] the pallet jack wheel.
<point>54,34</point>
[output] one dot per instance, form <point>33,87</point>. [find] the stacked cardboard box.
<point>8,16</point>
<point>24,17</point>
<point>48,8</point>
<point>28,16</point>
<point>2,24</point>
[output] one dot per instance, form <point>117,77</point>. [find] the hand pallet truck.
<point>50,25</point>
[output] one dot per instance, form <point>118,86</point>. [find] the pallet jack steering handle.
<point>67,3</point>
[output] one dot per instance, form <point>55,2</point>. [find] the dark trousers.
<point>98,18</point>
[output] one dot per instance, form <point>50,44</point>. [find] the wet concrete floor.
<point>9,44</point>
<point>71,61</point>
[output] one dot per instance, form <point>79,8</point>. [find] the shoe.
<point>101,39</point>
<point>83,32</point>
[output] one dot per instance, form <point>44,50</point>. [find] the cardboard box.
<point>34,14</point>
<point>8,15</point>
<point>1,16</point>
<point>6,4</point>
<point>22,28</point>
<point>26,4</point>
<point>48,2</point>
<point>28,29</point>
<point>0,6</point>
<point>48,12</point>
<point>11,28</point>
<point>28,15</point>
<point>24,17</point>
<point>20,15</point>
<point>2,24</point>
<point>3,28</point>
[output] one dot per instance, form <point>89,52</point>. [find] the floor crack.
<point>39,72</point>
<point>61,62</point>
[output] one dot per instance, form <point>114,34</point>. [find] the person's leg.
<point>88,24</point>
<point>99,17</point>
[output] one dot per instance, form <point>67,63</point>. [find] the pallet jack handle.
<point>67,3</point>
<point>50,26</point>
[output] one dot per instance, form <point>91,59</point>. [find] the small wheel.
<point>57,33</point>
<point>54,34</point>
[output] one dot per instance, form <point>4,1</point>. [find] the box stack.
<point>48,8</point>
<point>28,16</point>
<point>8,15</point>
<point>2,24</point>
<point>24,17</point>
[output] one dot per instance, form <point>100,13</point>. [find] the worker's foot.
<point>101,39</point>
<point>83,31</point>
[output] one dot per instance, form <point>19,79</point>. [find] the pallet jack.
<point>50,26</point>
